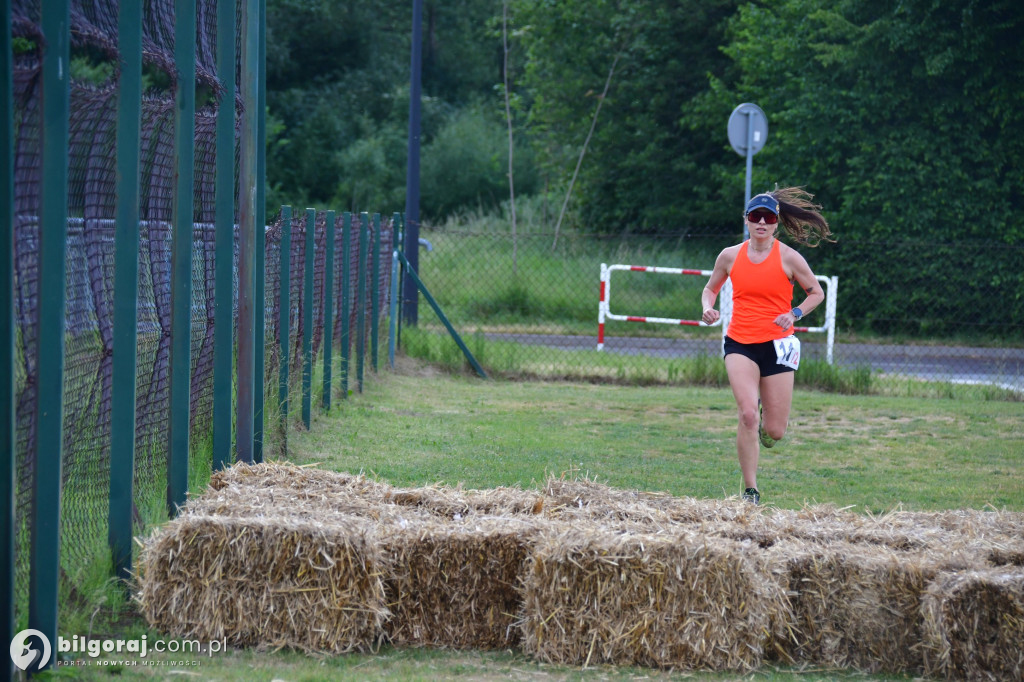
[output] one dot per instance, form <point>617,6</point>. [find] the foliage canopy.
<point>904,119</point>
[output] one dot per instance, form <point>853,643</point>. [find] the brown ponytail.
<point>800,217</point>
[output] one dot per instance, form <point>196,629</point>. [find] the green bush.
<point>466,165</point>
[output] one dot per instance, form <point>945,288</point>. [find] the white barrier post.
<point>725,309</point>
<point>602,306</point>
<point>830,316</point>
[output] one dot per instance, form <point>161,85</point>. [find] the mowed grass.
<point>871,453</point>
<point>418,665</point>
<point>419,426</point>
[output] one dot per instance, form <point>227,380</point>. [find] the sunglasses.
<point>756,215</point>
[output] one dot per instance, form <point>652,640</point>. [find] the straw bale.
<point>577,491</point>
<point>941,533</point>
<point>584,500</point>
<point>731,510</point>
<point>1005,554</point>
<point>822,523</point>
<point>306,480</point>
<point>280,503</point>
<point>974,625</point>
<point>759,534</point>
<point>969,524</point>
<point>854,605</point>
<point>266,582</point>
<point>731,518</point>
<point>867,533</point>
<point>456,503</point>
<point>505,501</point>
<point>275,488</point>
<point>680,601</point>
<point>456,584</point>
<point>946,532</point>
<point>275,501</point>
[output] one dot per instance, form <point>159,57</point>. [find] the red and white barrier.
<point>604,312</point>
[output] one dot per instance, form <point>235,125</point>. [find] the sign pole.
<point>750,166</point>
<point>748,130</point>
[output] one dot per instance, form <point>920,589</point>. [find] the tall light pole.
<point>410,294</point>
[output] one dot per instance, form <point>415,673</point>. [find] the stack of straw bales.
<point>580,573</point>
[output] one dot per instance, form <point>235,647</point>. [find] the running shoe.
<point>752,496</point>
<point>766,440</point>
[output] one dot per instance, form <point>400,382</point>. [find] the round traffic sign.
<point>748,126</point>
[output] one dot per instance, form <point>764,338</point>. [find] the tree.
<point>337,78</point>
<point>647,165</point>
<point>906,120</point>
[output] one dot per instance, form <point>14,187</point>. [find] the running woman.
<point>761,352</point>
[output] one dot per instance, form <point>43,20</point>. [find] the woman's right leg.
<point>745,378</point>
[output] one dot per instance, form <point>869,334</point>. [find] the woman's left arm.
<point>800,272</point>
<point>803,276</point>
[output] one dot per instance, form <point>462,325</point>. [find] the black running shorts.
<point>763,355</point>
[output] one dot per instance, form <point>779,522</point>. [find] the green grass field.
<point>419,425</point>
<point>871,453</point>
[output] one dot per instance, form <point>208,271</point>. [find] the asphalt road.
<point>1002,367</point>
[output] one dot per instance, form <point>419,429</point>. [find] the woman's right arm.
<point>718,276</point>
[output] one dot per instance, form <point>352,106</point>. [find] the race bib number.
<point>788,352</point>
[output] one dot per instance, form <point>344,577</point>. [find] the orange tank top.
<point>760,293</point>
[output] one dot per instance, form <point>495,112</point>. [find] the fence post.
<point>181,256</point>
<point>307,319</point>
<point>364,230</point>
<point>393,295</point>
<point>328,306</point>
<point>224,238</point>
<point>8,474</point>
<point>126,290</point>
<point>346,301</point>
<point>259,286</point>
<point>248,232</point>
<point>375,293</point>
<point>401,269</point>
<point>45,569</point>
<point>284,322</point>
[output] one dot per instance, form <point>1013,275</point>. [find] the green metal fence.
<point>144,306</point>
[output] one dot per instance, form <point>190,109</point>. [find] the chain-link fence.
<point>89,349</point>
<point>89,297</point>
<point>529,305</point>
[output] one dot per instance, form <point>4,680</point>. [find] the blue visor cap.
<point>764,201</point>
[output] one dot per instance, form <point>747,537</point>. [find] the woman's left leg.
<point>776,401</point>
